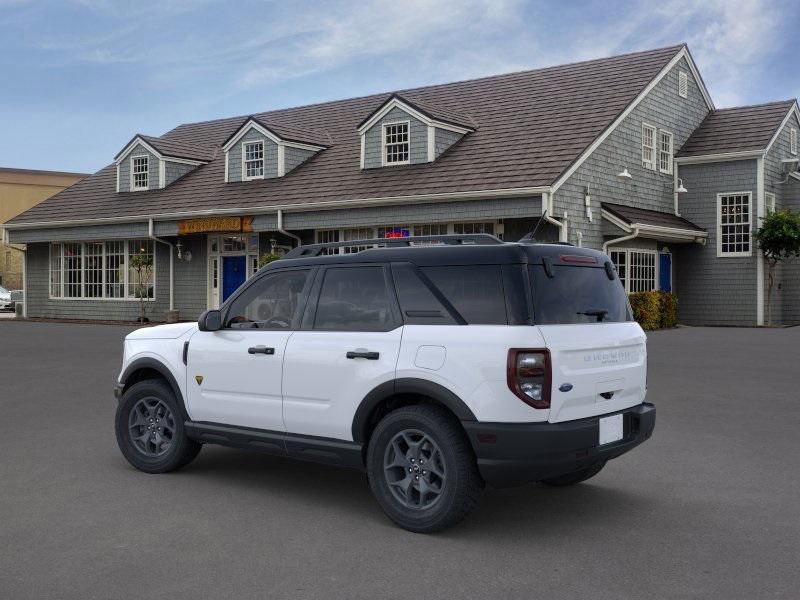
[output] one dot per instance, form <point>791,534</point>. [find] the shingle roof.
<point>435,112</point>
<point>737,129</point>
<point>631,215</point>
<point>175,148</point>
<point>530,127</point>
<point>287,132</point>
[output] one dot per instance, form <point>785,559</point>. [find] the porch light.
<point>624,175</point>
<point>680,189</point>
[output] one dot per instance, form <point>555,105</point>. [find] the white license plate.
<point>610,429</point>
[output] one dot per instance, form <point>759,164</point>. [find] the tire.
<point>164,446</point>
<point>443,493</point>
<point>575,477</point>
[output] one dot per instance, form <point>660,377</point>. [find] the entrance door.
<point>234,272</point>
<point>234,374</point>
<point>665,272</point>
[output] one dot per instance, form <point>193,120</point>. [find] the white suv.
<point>437,369</point>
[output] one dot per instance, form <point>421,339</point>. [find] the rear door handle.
<point>363,354</point>
<point>260,350</point>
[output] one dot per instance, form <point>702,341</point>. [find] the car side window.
<point>354,299</point>
<point>273,302</point>
<point>475,291</point>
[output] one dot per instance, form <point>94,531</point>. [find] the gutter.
<point>619,240</point>
<point>152,236</point>
<point>562,227</point>
<point>282,231</point>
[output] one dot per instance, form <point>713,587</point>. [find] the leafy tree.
<point>779,240</point>
<point>142,266</point>
<point>265,259</point>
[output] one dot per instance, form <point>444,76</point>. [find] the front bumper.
<point>515,453</point>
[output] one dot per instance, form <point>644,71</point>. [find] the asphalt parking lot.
<point>709,508</point>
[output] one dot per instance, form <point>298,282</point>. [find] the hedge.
<point>655,310</point>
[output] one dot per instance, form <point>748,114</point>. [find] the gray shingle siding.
<point>174,171</point>
<point>294,157</point>
<point>88,233</point>
<point>270,156</point>
<point>125,169</point>
<point>418,138</point>
<point>190,290</point>
<point>712,290</point>
<point>443,139</point>
<point>649,189</point>
<point>786,287</point>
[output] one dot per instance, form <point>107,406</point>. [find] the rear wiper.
<point>600,313</point>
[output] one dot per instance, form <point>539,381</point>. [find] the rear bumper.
<point>515,453</point>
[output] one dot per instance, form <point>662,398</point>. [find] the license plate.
<point>610,429</point>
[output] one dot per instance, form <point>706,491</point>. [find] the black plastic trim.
<point>151,363</point>
<point>303,447</point>
<point>406,385</point>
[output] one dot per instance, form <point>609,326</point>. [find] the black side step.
<point>316,449</point>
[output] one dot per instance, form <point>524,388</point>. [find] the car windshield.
<point>577,294</point>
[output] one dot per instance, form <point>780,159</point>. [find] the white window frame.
<point>720,253</point>
<point>61,271</point>
<point>133,159</point>
<point>665,156</point>
<point>263,160</point>
<point>384,145</point>
<point>628,252</point>
<point>683,84</point>
<point>769,202</point>
<point>793,141</point>
<point>649,164</point>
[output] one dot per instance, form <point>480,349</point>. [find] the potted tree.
<point>142,267</point>
<point>779,240</point>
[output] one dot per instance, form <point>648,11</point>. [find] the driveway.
<point>709,508</point>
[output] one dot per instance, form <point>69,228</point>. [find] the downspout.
<point>619,240</point>
<point>547,202</point>
<point>5,238</point>
<point>282,231</point>
<point>152,236</point>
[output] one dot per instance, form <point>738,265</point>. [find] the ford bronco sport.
<point>435,364</point>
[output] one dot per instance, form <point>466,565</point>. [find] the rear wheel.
<point>575,477</point>
<point>422,470</point>
<point>150,430</point>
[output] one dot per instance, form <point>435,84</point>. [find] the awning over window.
<point>653,224</point>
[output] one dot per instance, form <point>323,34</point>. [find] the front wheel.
<point>422,470</point>
<point>150,430</point>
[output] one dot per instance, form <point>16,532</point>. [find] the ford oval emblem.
<point>565,387</point>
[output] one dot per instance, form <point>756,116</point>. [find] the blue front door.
<point>233,274</point>
<point>665,272</point>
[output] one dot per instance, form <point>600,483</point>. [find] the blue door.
<point>233,274</point>
<point>665,272</point>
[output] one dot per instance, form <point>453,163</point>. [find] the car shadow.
<point>515,511</point>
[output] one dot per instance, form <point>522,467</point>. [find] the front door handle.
<point>363,354</point>
<point>260,350</point>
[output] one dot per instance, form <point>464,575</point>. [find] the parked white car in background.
<point>435,368</point>
<point>5,299</point>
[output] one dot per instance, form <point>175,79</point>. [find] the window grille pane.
<point>73,267</point>
<point>642,271</point>
<point>665,152</point>
<point>115,269</point>
<point>648,147</point>
<point>93,270</point>
<point>619,258</point>
<point>356,233</point>
<point>734,220</point>
<point>140,172</point>
<point>328,236</point>
<point>254,159</point>
<point>472,228</point>
<point>397,143</point>
<point>55,270</point>
<point>140,280</point>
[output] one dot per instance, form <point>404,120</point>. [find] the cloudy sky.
<point>80,77</point>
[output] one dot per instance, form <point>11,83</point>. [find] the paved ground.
<point>709,508</point>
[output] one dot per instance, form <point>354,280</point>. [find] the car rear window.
<point>577,294</point>
<point>475,291</point>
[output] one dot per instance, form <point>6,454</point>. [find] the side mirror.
<point>211,320</point>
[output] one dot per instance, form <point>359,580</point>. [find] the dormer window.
<point>396,148</point>
<point>140,169</point>
<point>253,160</point>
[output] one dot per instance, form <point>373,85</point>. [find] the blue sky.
<point>81,77</point>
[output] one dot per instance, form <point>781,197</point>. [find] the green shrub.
<point>646,309</point>
<point>265,259</point>
<point>669,309</point>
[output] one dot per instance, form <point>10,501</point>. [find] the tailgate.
<point>605,364</point>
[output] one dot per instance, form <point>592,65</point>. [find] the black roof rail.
<point>310,250</point>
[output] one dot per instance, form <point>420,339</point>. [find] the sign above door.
<point>216,224</point>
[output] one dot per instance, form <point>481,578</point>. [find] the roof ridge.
<point>676,48</point>
<point>787,102</point>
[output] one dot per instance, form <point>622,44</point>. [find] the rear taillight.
<point>528,375</point>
